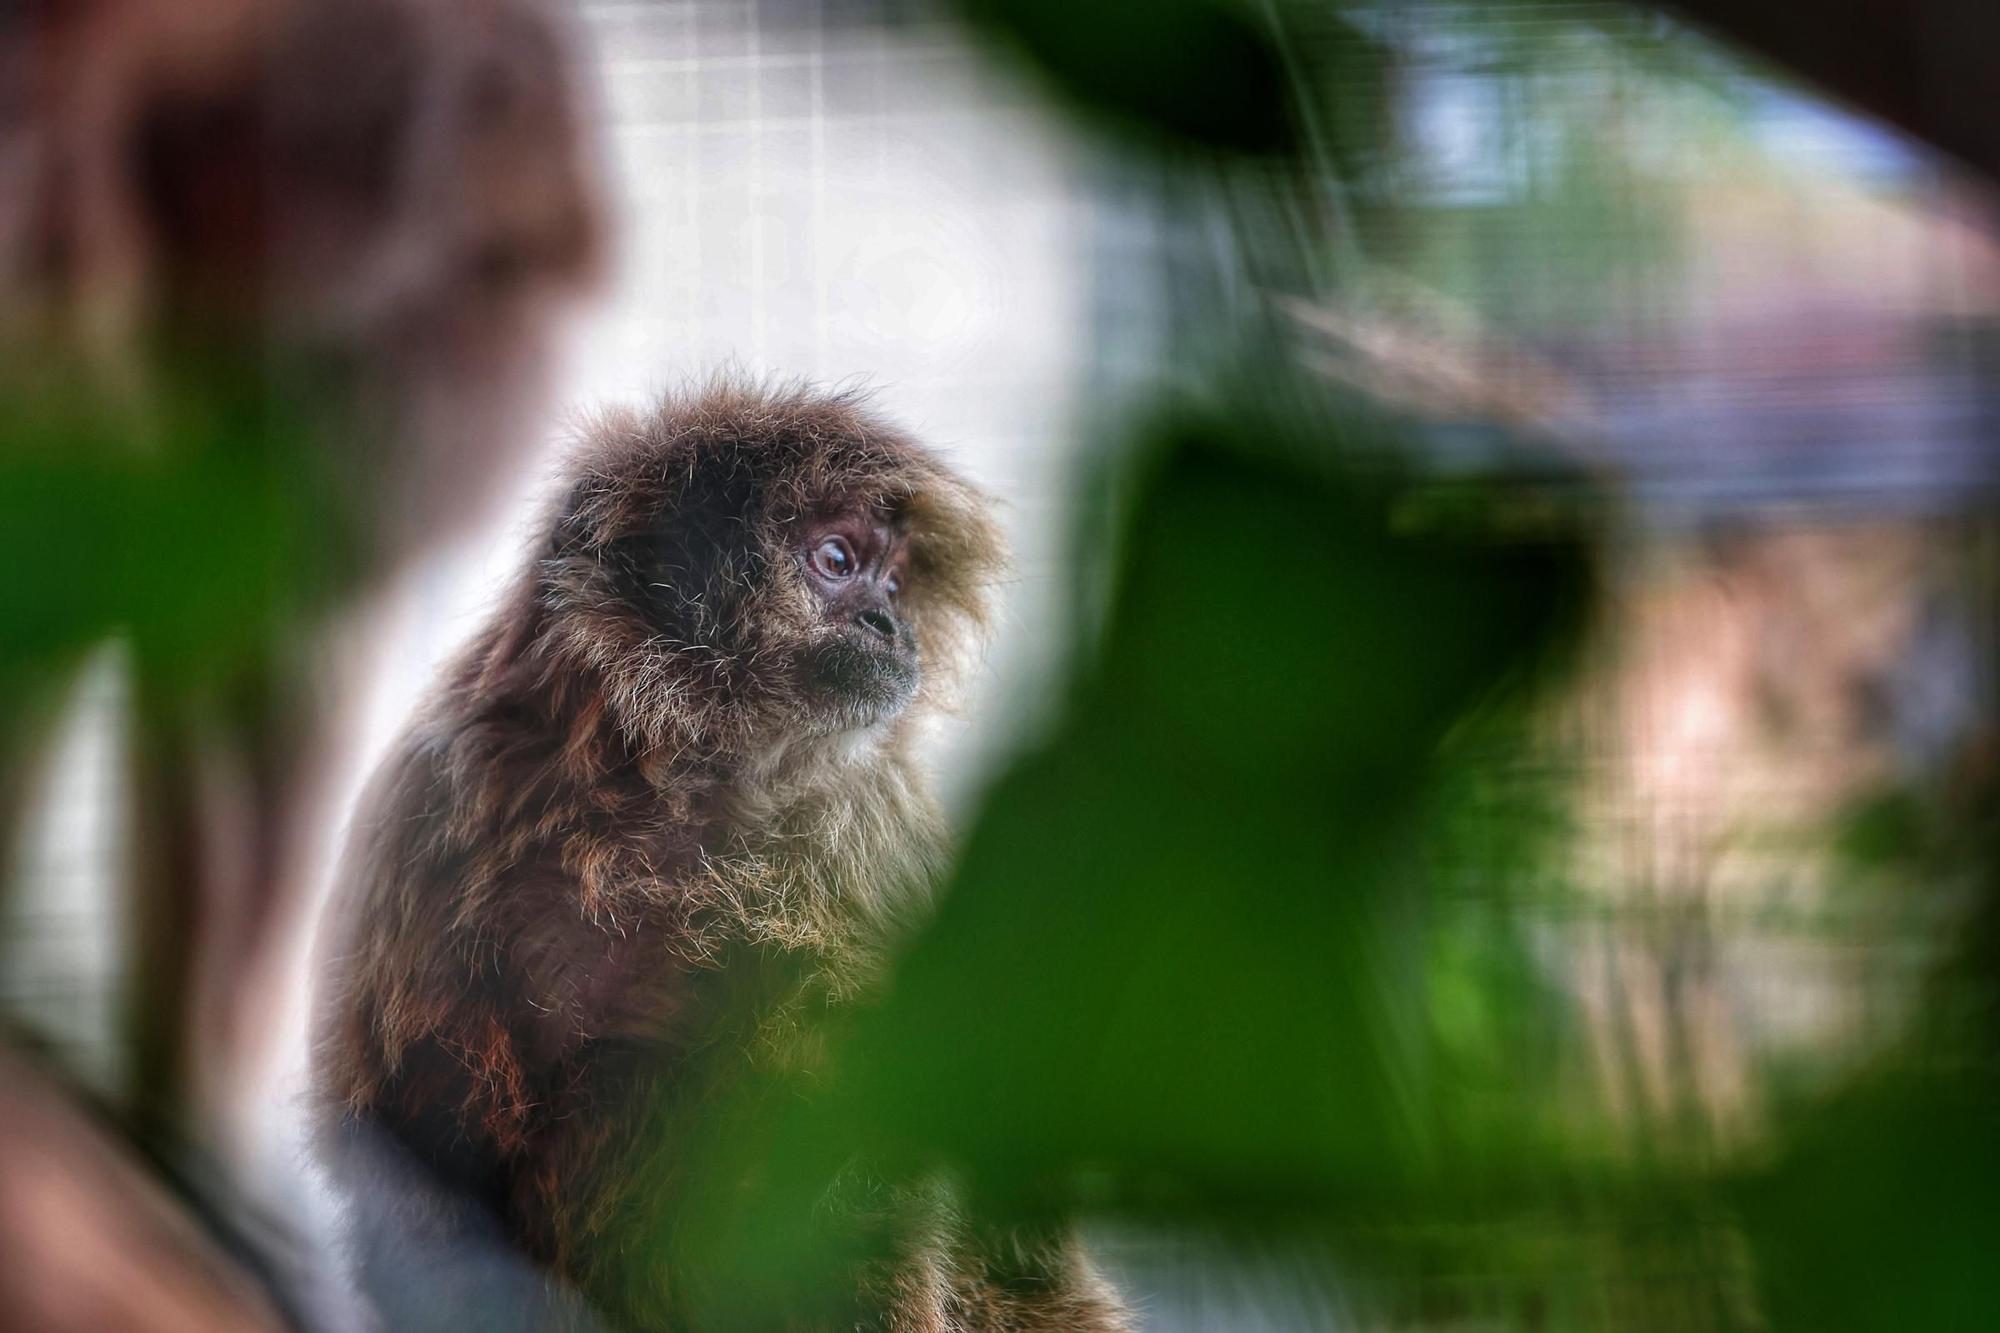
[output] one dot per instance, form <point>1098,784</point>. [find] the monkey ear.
<point>702,567</point>
<point>693,554</point>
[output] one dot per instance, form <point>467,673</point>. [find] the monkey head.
<point>742,568</point>
<point>367,213</point>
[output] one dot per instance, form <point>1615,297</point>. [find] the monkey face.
<point>741,569</point>
<point>862,668</point>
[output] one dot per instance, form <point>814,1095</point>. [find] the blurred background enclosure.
<point>1477,812</point>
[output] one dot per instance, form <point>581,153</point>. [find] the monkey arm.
<point>469,1166</point>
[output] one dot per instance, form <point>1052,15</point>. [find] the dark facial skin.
<point>855,563</point>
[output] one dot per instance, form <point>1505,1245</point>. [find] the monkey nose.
<point>878,620</point>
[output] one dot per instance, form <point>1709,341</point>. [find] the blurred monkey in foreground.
<point>319,241</point>
<point>666,803</point>
<point>266,266</point>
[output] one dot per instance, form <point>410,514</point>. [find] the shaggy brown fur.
<point>625,839</point>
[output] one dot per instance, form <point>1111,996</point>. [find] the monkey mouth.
<point>854,683</point>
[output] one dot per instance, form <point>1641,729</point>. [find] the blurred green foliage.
<point>1261,941</point>
<point>194,523</point>
<point>1175,956</point>
<point>199,527</point>
<point>1183,970</point>
<point>1192,72</point>
<point>1884,1209</point>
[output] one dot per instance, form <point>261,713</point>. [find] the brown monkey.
<point>668,792</point>
<point>343,228</point>
<point>365,212</point>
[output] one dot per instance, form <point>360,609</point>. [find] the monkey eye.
<point>834,558</point>
<point>893,584</point>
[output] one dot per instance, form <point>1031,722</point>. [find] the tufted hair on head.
<point>667,573</point>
